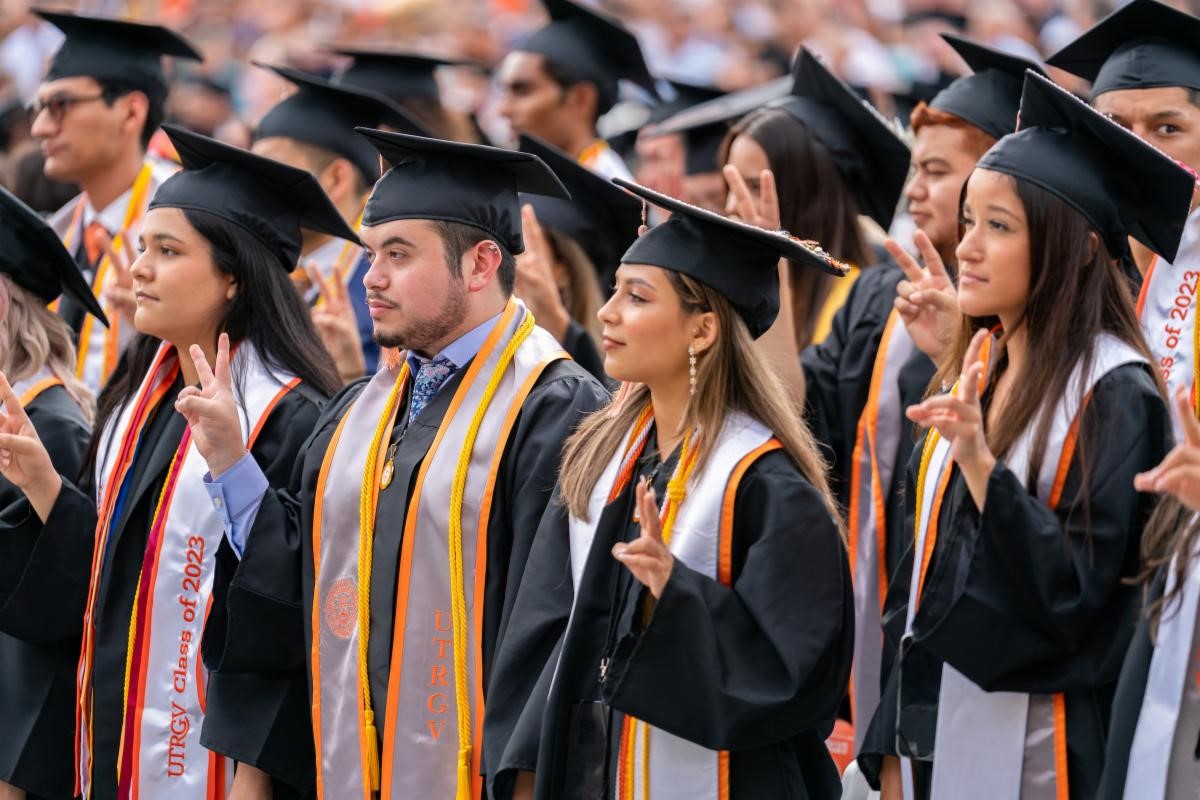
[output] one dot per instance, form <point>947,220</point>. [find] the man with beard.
<point>390,564</point>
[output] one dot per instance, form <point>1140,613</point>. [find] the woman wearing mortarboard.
<point>1011,610</point>
<point>133,551</point>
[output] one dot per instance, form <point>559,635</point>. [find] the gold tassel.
<point>372,750</point>
<point>464,774</point>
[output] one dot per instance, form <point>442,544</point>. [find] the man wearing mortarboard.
<point>399,545</point>
<point>101,102</point>
<point>560,80</point>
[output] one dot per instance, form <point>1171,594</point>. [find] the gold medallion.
<point>385,478</point>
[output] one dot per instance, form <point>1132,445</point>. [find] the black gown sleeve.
<point>259,714</point>
<point>1024,598</point>
<point>742,666</point>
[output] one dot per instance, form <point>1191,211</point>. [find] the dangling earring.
<point>692,370</point>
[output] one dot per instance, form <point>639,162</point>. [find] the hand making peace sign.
<point>647,556</point>
<point>211,411</point>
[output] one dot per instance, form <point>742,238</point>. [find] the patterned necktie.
<point>430,377</point>
<point>93,243</point>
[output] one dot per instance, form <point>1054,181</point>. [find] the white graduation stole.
<point>165,679</point>
<point>874,460</point>
<point>420,744</point>
<point>672,768</point>
<point>996,744</point>
<point>1150,754</point>
<point>1167,307</point>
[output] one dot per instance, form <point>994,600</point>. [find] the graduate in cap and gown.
<point>313,129</point>
<point>409,79</point>
<point>822,134</point>
<point>580,241</point>
<point>102,100</point>
<point>390,563</point>
<point>880,354</point>
<point>564,76</point>
<point>132,552</point>
<point>656,648</point>
<point>1012,608</point>
<point>37,666</point>
<point>1144,64</point>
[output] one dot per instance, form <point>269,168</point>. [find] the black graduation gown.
<point>51,593</point>
<point>37,674</point>
<point>1020,598</point>
<point>838,376</point>
<point>580,345</point>
<point>758,669</point>
<point>269,611</point>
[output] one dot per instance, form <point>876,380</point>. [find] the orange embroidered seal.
<point>340,605</point>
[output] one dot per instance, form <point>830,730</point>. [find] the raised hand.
<point>647,556</point>
<point>535,277</point>
<point>119,293</point>
<point>23,458</point>
<point>334,320</point>
<point>958,417</point>
<point>1179,473</point>
<point>211,411</point>
<point>926,300</point>
<point>762,211</point>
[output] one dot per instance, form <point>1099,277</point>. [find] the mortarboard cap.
<point>473,184</point>
<point>325,114</point>
<point>592,45</point>
<point>1143,45</point>
<point>113,50</point>
<point>705,124</point>
<point>869,154</point>
<point>602,218</point>
<point>269,200</point>
<point>34,257</point>
<point>738,260</point>
<point>989,97</point>
<point>396,74</point>
<point>1122,185</point>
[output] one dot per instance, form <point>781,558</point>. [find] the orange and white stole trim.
<point>1004,744</point>
<point>1167,309</point>
<point>99,347</point>
<point>698,528</point>
<point>160,754</point>
<point>28,389</point>
<point>434,712</point>
<point>872,467</point>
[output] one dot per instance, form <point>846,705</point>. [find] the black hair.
<point>156,97</point>
<point>565,77</point>
<point>458,238</point>
<point>266,311</point>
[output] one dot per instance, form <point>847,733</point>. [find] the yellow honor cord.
<point>366,536</point>
<point>931,440</point>
<point>458,598</point>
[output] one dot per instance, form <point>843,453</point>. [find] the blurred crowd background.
<point>888,49</point>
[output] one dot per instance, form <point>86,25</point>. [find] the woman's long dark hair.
<point>1076,292</point>
<point>815,202</point>
<point>266,311</point>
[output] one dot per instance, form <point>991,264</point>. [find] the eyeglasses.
<point>57,105</point>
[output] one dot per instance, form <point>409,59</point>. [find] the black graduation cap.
<point>473,184</point>
<point>396,74</point>
<point>990,96</point>
<point>593,45</point>
<point>128,53</point>
<point>1122,185</point>
<point>1143,45</point>
<point>736,259</point>
<point>869,154</point>
<point>705,124</point>
<point>34,257</point>
<point>602,218</point>
<point>325,114</point>
<point>270,200</point>
<point>685,95</point>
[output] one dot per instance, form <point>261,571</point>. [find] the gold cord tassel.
<point>372,750</point>
<point>464,774</point>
